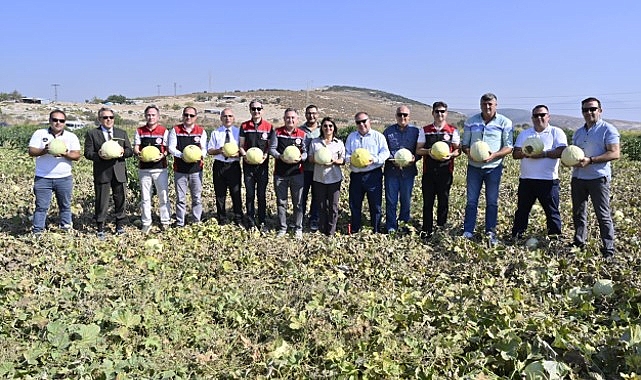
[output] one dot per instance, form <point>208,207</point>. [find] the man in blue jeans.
<point>53,171</point>
<point>496,130</point>
<point>399,181</point>
<point>591,176</point>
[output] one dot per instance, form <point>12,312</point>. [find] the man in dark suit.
<point>108,172</point>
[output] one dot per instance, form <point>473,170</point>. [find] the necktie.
<point>110,135</point>
<point>227,136</point>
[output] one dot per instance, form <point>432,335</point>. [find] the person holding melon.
<point>150,145</point>
<point>327,153</point>
<point>439,143</point>
<point>539,149</point>
<point>591,177</point>
<point>55,149</point>
<point>487,139</point>
<point>288,148</point>
<point>312,131</point>
<point>108,147</point>
<point>187,142</point>
<point>223,145</point>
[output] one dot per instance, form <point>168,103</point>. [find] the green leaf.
<point>57,334</point>
<point>126,318</point>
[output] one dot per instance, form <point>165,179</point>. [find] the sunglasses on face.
<point>541,115</point>
<point>62,121</point>
<point>108,117</point>
<point>589,109</point>
<point>189,115</point>
<point>440,111</point>
<point>402,114</point>
<point>256,108</point>
<point>361,121</point>
<point>328,125</point>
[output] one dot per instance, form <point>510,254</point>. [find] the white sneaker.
<point>298,235</point>
<point>467,235</point>
<point>145,229</point>
<point>491,237</point>
<point>281,234</point>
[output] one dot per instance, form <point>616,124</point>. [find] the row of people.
<point>303,177</point>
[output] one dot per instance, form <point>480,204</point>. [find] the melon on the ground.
<point>360,158</point>
<point>440,150</point>
<point>111,149</point>
<point>254,156</point>
<point>191,154</point>
<point>480,151</point>
<point>403,157</point>
<point>57,147</point>
<point>572,155</point>
<point>149,153</point>
<point>291,154</point>
<point>603,288</point>
<point>230,149</point>
<point>323,156</point>
<point>532,146</point>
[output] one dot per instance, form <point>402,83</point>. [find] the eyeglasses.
<point>537,115</point>
<point>108,117</point>
<point>361,121</point>
<point>328,125</point>
<point>189,115</point>
<point>440,111</point>
<point>589,109</point>
<point>227,116</point>
<point>402,114</point>
<point>53,119</point>
<point>256,108</point>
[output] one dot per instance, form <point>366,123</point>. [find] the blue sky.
<point>552,52</point>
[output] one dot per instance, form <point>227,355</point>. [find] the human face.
<point>256,110</point>
<point>328,130</point>
<point>291,120</point>
<point>540,118</point>
<point>403,116</point>
<point>362,123</point>
<point>57,122</point>
<point>152,117</point>
<point>439,114</point>
<point>189,117</point>
<point>591,112</point>
<point>107,119</point>
<point>227,118</point>
<point>311,115</point>
<point>488,109</point>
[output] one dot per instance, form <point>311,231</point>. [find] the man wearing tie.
<point>108,173</point>
<point>226,169</point>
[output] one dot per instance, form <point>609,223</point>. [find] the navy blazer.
<point>105,170</point>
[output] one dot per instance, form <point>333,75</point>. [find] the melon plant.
<point>323,156</point>
<point>149,153</point>
<point>572,155</point>
<point>479,151</point>
<point>403,157</point>
<point>532,146</point>
<point>111,149</point>
<point>291,154</point>
<point>440,150</point>
<point>254,156</point>
<point>360,158</point>
<point>57,147</point>
<point>191,154</point>
<point>603,288</point>
<point>230,149</point>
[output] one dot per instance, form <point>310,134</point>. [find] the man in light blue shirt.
<point>496,131</point>
<point>591,176</point>
<point>369,179</point>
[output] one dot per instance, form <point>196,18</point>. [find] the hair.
<point>439,104</point>
<point>106,109</point>
<point>254,102</point>
<point>57,111</point>
<point>190,108</point>
<point>591,99</point>
<point>488,97</point>
<point>290,109</point>
<point>329,119</point>
<point>153,106</point>
<point>310,107</point>
<point>361,113</point>
<point>541,106</point>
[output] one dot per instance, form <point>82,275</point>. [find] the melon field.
<point>218,301</point>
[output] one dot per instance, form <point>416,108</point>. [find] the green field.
<point>221,302</point>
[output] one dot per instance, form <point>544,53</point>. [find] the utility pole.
<point>55,92</point>
<point>158,86</point>
<point>174,88</point>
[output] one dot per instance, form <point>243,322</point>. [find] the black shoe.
<point>120,230</point>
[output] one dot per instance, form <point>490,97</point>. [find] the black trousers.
<point>102,201</point>
<point>436,186</point>
<point>227,175</point>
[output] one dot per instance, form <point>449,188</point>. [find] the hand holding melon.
<point>111,150</point>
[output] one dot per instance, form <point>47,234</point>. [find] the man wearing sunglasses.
<point>591,176</point>
<point>108,173</point>
<point>188,175</point>
<point>53,171</point>
<point>399,180</point>
<point>539,177</point>
<point>366,180</point>
<point>256,132</point>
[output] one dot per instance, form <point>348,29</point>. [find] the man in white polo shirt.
<point>53,172</point>
<point>539,173</point>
